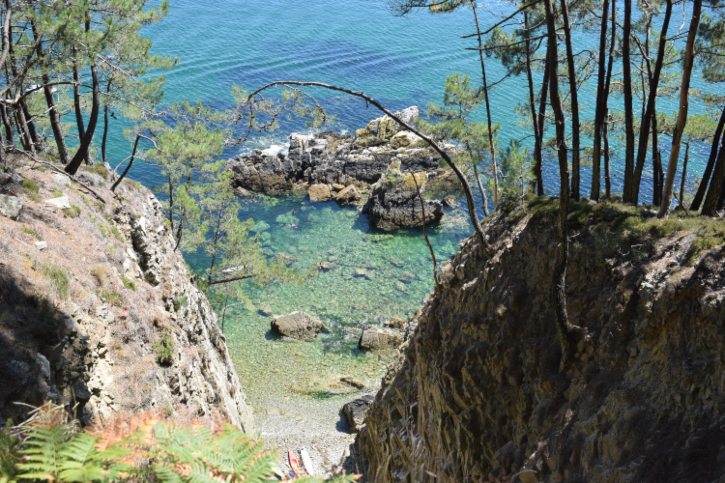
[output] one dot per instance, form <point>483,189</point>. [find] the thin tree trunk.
<point>491,144</point>
<point>484,198</point>
<point>683,180</point>
<point>682,115</point>
<point>104,140</point>
<point>539,145</point>
<point>9,135</point>
<point>53,115</point>
<point>716,192</point>
<point>607,175</point>
<point>25,136</point>
<point>559,283</point>
<point>77,106</point>
<point>658,176</point>
<point>702,189</point>
<point>601,102</point>
<point>628,109</point>
<point>82,152</point>
<point>532,99</point>
<point>574,96</point>
<point>650,112</point>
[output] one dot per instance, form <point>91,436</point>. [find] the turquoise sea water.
<point>362,45</point>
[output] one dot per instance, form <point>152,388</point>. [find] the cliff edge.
<point>98,312</point>
<point>477,394</point>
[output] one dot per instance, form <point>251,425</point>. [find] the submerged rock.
<point>379,338</point>
<point>363,273</point>
<point>298,325</point>
<point>356,410</point>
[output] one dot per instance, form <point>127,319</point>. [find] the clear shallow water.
<point>400,276</point>
<point>398,60</point>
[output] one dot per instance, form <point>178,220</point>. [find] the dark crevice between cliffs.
<point>477,394</point>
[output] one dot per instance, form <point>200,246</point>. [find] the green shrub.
<point>58,278</point>
<point>30,231</point>
<point>128,284</point>
<point>180,303</point>
<point>32,189</point>
<point>164,350</point>
<point>111,297</point>
<point>99,169</point>
<point>72,212</point>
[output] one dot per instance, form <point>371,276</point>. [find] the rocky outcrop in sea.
<point>350,169</point>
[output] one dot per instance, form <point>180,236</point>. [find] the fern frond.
<point>164,474</point>
<point>41,453</point>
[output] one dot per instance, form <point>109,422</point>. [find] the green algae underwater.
<point>394,275</point>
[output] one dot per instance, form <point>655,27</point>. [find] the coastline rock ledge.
<point>349,169</point>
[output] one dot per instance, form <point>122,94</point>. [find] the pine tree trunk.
<point>53,116</point>
<point>628,109</point>
<point>647,118</point>
<point>601,102</point>
<point>702,189</point>
<point>106,108</point>
<point>489,124</point>
<point>539,144</point>
<point>82,152</point>
<point>658,176</point>
<point>682,114</point>
<point>559,282</point>
<point>532,98</point>
<point>716,192</point>
<point>574,97</point>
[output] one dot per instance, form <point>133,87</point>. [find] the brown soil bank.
<point>478,396</point>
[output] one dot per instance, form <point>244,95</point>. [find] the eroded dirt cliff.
<point>477,394</point>
<point>97,310</point>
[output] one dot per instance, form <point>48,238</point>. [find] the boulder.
<point>379,338</point>
<point>404,139</point>
<point>320,192</point>
<point>348,195</point>
<point>394,203</point>
<point>61,202</point>
<point>356,410</point>
<point>10,184</point>
<point>298,325</point>
<point>10,206</point>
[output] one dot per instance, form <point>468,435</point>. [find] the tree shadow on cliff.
<point>32,331</point>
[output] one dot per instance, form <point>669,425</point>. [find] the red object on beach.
<point>294,462</point>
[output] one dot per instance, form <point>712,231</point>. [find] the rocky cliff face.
<point>99,313</point>
<point>477,394</point>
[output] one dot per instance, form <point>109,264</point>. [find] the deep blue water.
<point>359,44</point>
